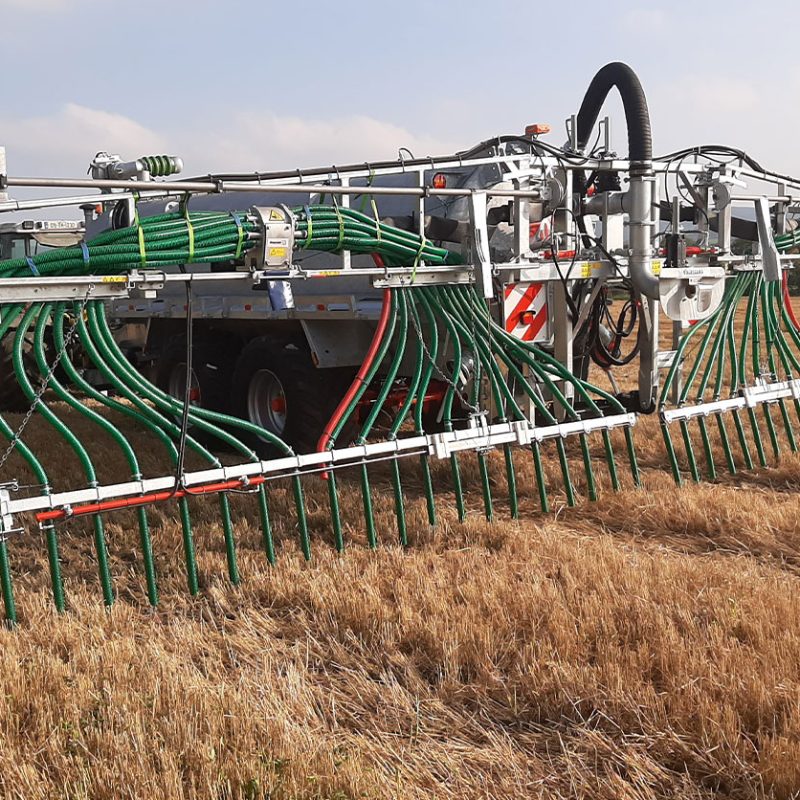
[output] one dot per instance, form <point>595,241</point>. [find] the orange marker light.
<point>439,181</point>
<point>537,129</point>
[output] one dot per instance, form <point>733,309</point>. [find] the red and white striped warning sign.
<point>525,311</point>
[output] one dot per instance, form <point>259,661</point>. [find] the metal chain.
<point>46,378</point>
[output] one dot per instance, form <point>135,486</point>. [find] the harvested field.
<point>644,646</point>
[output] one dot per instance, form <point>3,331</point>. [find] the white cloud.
<point>254,140</point>
<point>63,143</point>
<point>67,140</point>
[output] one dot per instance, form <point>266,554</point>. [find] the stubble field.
<point>646,645</point>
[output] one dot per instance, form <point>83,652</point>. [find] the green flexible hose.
<point>74,442</point>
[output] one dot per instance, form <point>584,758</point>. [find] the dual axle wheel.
<point>270,381</point>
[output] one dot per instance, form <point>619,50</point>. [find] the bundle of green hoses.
<point>333,228</point>
<point>207,237</point>
<point>787,241</point>
<point>153,242</point>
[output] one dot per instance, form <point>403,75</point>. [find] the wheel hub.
<point>266,401</point>
<point>177,384</point>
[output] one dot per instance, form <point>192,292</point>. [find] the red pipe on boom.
<point>145,499</point>
<point>787,301</point>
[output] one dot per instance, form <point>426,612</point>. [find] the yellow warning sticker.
<point>277,252</point>
<point>657,267</point>
<point>588,267</point>
<point>275,214</point>
<point>114,278</point>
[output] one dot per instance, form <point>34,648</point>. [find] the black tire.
<point>459,417</point>
<point>270,367</point>
<point>432,424</point>
<point>212,365</point>
<point>12,398</point>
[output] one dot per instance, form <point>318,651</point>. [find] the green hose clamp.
<point>377,219</point>
<point>240,232</point>
<point>142,248</point>
<point>310,232</point>
<point>189,226</point>
<point>341,225</point>
<point>423,243</point>
<point>139,231</point>
<point>370,179</point>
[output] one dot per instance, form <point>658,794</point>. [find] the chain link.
<point>46,378</point>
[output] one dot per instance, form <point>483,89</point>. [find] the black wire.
<point>683,192</point>
<point>626,281</point>
<point>531,144</point>
<point>534,146</point>
<point>187,394</point>
<point>602,355</point>
<point>565,278</point>
<point>619,331</point>
<point>707,150</point>
<point>714,149</point>
<point>567,296</point>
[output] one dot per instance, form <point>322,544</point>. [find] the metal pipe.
<point>233,186</point>
<point>608,203</point>
<point>640,221</point>
<point>55,202</point>
<point>161,188</point>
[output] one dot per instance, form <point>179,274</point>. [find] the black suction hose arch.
<point>637,115</point>
<point>640,155</point>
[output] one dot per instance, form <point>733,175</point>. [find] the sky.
<point>261,85</point>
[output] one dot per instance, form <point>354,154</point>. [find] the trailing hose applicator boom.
<point>473,309</point>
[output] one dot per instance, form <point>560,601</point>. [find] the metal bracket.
<point>6,517</point>
<point>769,252</point>
<point>443,445</point>
<point>433,276</point>
<point>277,238</point>
<point>750,397</point>
<point>479,243</point>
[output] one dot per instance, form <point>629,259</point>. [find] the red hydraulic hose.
<point>787,301</point>
<point>369,358</point>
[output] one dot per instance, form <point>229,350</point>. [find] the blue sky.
<point>259,85</point>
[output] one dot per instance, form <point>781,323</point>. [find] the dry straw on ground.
<point>647,645</point>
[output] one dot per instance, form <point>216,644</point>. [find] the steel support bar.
<point>71,287</point>
<point>215,187</point>
<point>750,398</point>
<point>133,493</point>
<point>294,181</point>
<point>75,287</point>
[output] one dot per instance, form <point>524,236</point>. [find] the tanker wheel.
<point>212,371</point>
<point>276,386</point>
<point>12,398</point>
<point>432,424</point>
